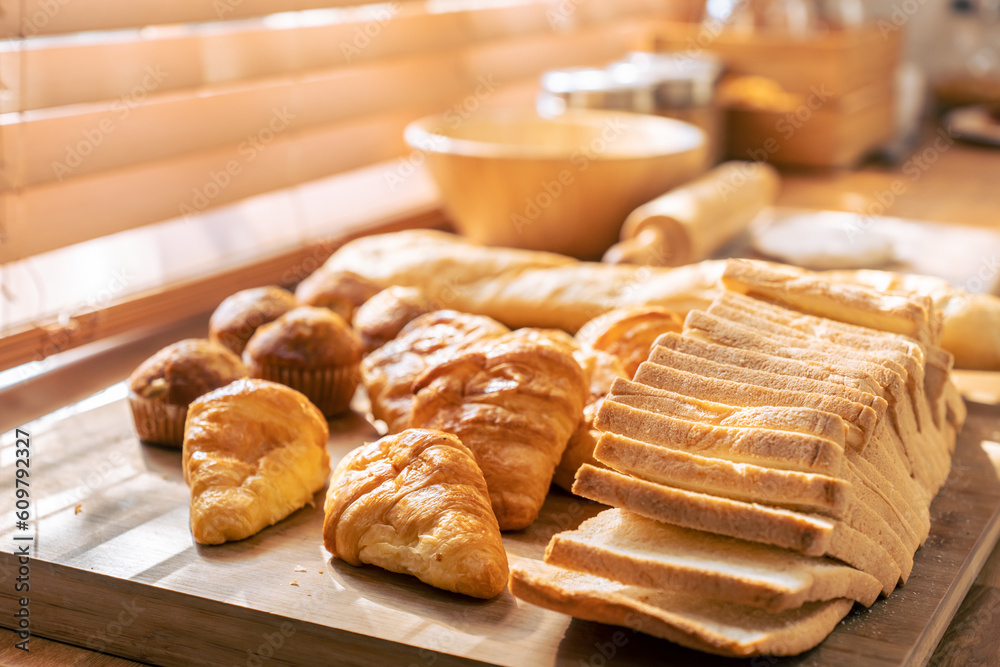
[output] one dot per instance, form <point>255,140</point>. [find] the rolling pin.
<point>690,223</point>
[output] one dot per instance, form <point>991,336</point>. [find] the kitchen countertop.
<point>940,181</point>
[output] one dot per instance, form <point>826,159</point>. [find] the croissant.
<point>388,373</point>
<point>416,503</point>
<point>514,400</point>
<point>602,369</point>
<point>612,345</point>
<point>254,452</point>
<point>628,333</point>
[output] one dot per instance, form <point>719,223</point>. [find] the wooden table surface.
<point>953,183</point>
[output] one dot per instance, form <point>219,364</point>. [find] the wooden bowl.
<point>563,184</point>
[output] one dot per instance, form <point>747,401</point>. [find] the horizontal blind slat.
<point>27,18</point>
<point>56,214</point>
<point>59,75</point>
<point>106,136</point>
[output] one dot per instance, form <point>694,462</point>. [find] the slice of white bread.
<point>800,420</point>
<point>722,628</point>
<point>787,450</point>
<point>907,314</point>
<point>931,464</point>
<point>759,361</point>
<point>894,465</point>
<point>802,491</point>
<point>808,534</point>
<point>860,418</point>
<point>786,380</point>
<point>879,347</point>
<point>681,361</point>
<point>629,548</point>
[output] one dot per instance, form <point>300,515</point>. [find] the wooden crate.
<point>841,60</point>
<point>838,133</point>
<point>852,71</point>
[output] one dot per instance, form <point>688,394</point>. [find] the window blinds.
<point>118,117</point>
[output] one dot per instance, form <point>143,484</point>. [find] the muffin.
<point>340,291</point>
<point>236,318</point>
<point>381,318</point>
<point>312,350</point>
<point>161,388</point>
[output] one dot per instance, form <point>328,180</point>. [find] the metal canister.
<point>676,85</point>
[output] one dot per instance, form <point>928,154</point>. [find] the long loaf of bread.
<point>528,288</point>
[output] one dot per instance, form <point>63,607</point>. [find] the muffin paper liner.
<point>330,389</point>
<point>156,421</point>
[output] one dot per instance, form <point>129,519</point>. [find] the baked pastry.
<point>381,318</point>
<point>161,388</point>
<point>628,333</point>
<point>416,503</point>
<point>602,369</point>
<point>612,346</point>
<point>514,401</point>
<point>390,371</point>
<point>340,291</point>
<point>238,316</point>
<point>312,350</point>
<point>254,452</point>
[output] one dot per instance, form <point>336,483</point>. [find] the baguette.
<point>529,288</point>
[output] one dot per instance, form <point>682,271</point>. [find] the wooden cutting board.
<point>114,569</point>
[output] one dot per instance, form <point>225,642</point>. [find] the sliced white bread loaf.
<point>806,492</point>
<point>808,534</point>
<point>722,628</point>
<point>632,549</point>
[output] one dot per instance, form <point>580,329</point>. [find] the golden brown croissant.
<point>254,452</point>
<point>416,503</point>
<point>514,400</point>
<point>602,369</point>
<point>628,333</point>
<point>390,371</point>
<point>611,345</point>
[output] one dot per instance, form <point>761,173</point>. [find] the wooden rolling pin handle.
<point>696,219</point>
<point>652,246</point>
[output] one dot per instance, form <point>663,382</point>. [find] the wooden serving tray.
<point>115,569</point>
